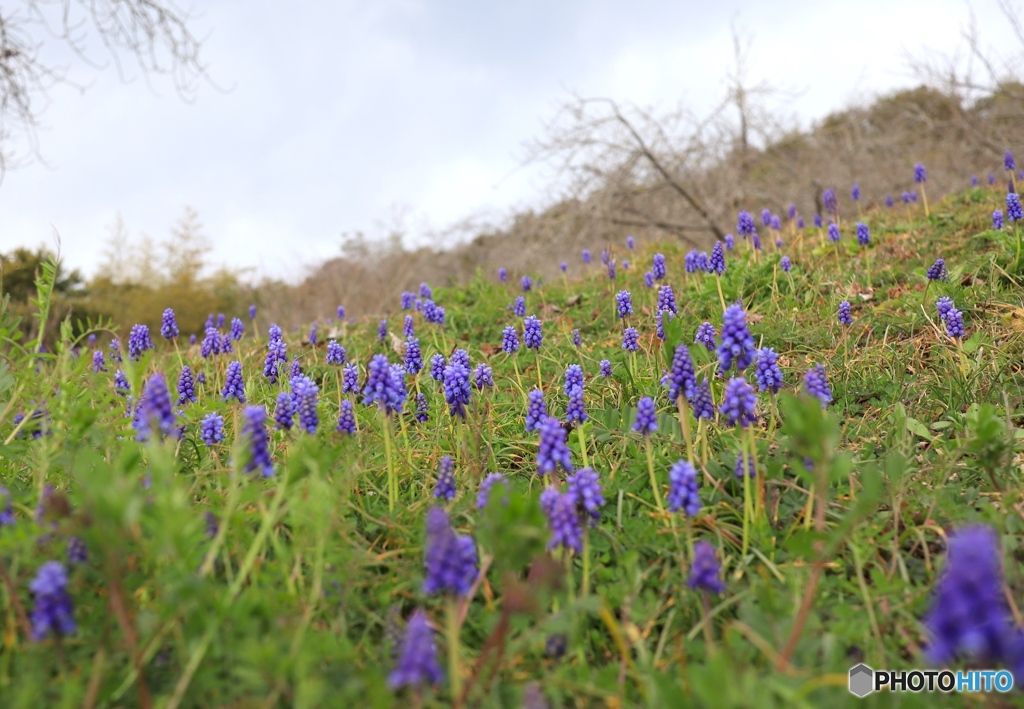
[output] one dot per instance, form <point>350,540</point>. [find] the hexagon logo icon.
<point>862,680</point>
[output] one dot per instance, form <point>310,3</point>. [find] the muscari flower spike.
<point>533,336</point>
<point>737,344</point>
<point>347,418</point>
<point>576,339</point>
<point>816,384</point>
<point>456,387</point>
<point>335,353</point>
<point>704,570</point>
<point>845,318</point>
<point>739,403</point>
<point>658,267</point>
<point>483,376</point>
<point>944,305</point>
<point>486,485</point>
<point>833,232</point>
<point>630,339</point>
<point>667,299</point>
<point>186,386</point>
<point>234,385</point>
<point>954,323</point>
<point>623,303</point>
<point>519,307</point>
<point>706,336</point>
<point>304,393</point>
<point>785,264</point>
<point>682,488</point>
<point>717,261</point>
<point>527,283</point>
<point>211,429</point>
<point>169,325</point>
<point>154,409</point>
<point>997,219</point>
<point>445,486</point>
<point>646,417</point>
<point>766,369</point>
<point>1014,211</point>
<point>738,469</point>
<point>449,559</point>
<point>509,340</point>
<point>920,175</point>
<point>863,234</point>
<point>702,404</point>
<point>237,329</point>
<point>350,378</point>
<point>53,611</point>
<point>585,487</point>
<point>417,662</point>
<point>680,379</point>
<point>937,271</point>
<point>553,451</point>
<point>99,363</point>
<point>413,357</point>
<point>437,365</point>
<point>606,368</point>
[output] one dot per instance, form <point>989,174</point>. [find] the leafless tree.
<point>37,36</point>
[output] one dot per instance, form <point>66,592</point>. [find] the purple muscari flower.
<point>974,180</point>
<point>786,264</point>
<point>991,178</point>
<point>234,385</point>
<point>284,412</point>
<point>845,318</point>
<point>536,411</point>
<point>397,372</point>
<point>766,369</point>
<point>277,354</point>
<point>706,336</point>
<point>1008,163</point>
<point>450,558</point>
<point>775,222</point>
<point>585,487</point>
<point>906,197</point>
<point>955,323</point>
<point>778,242</point>
<point>211,343</point>
<point>969,617</point>
<point>756,241</point>
<point>817,221</point>
<point>115,350</point>
<point>660,330</point>
<point>792,211</point>
<point>486,485</point>
<point>212,428</point>
<point>937,271</point>
<point>77,552</point>
<point>997,219</point>
<point>863,234</point>
<point>220,320</point>
<point>738,469</point>
<point>830,201</point>
<point>800,222</point>
<point>704,569</point>
<point>237,329</point>
<point>252,311</point>
<point>53,611</point>
<point>573,377</point>
<point>347,417</point>
<point>425,292</point>
<point>527,283</point>
<point>212,527</point>
<point>586,255</point>
<point>737,343</point>
<point>919,173</point>
<point>445,486</point>
<point>553,451</point>
<point>730,242</point>
<point>944,305</point>
<point>564,522</point>
<point>667,299</point>
<point>254,430</point>
<point>186,386</point>
<point>382,330</point>
<point>682,489</point>
<point>350,378</point>
<point>225,345</point>
<point>1013,209</point>
<point>437,365</point>
<point>121,385</point>
<point>605,256</point>
<point>7,511</point>
<point>574,410</point>
<point>483,376</point>
<point>646,417</point>
<point>381,388</point>
<point>745,224</point>
<point>564,267</point>
<point>138,341</point>
<point>502,274</point>
<point>680,379</point>
<point>703,406</point>
<point>460,356</point>
<point>335,353</point>
<point>99,364</point>
<point>630,339</point>
<point>169,325</point>
<point>274,332</point>
<point>649,279</point>
<point>833,232</point>
<point>690,261</point>
<point>606,368</point>
<point>519,307</point>
<point>576,339</point>
<point>766,217</point>
<point>417,664</point>
<point>408,328</point>
<point>413,358</point>
<point>855,193</point>
<point>304,391</point>
<point>658,267</point>
<point>532,334</point>
<point>816,384</point>
<point>623,303</point>
<point>611,270</point>
<point>739,403</point>
<point>92,339</point>
<point>629,242</point>
<point>407,299</point>
<point>154,408</point>
<point>456,387</point>
<point>201,378</point>
<point>717,262</point>
<point>509,340</point>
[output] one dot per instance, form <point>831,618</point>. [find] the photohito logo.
<point>864,680</point>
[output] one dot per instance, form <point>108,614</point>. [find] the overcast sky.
<point>340,115</point>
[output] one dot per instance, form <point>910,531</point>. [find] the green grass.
<point>299,598</point>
